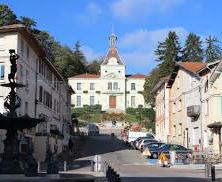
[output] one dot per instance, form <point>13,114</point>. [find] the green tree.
<point>168,52</point>
<point>193,49</point>
<point>149,84</point>
<point>94,67</point>
<point>28,22</point>
<point>7,16</point>
<point>213,51</point>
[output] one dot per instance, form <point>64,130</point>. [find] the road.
<point>130,164</point>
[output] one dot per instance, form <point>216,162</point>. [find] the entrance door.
<point>112,101</point>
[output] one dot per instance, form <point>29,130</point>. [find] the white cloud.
<point>90,14</point>
<point>140,8</point>
<point>91,54</point>
<point>138,47</point>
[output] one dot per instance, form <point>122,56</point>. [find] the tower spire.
<point>112,39</point>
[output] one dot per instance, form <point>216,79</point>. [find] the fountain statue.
<point>13,162</point>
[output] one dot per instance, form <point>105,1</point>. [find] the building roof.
<point>112,53</point>
<point>136,76</point>
<point>160,83</point>
<point>86,75</point>
<point>192,66</point>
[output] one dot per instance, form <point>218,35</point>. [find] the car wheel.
<point>155,156</point>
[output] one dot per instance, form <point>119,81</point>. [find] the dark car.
<point>134,143</point>
<point>145,142</point>
<point>166,148</point>
<point>152,145</point>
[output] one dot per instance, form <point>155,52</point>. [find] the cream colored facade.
<point>162,108</point>
<point>112,89</point>
<point>46,93</point>
<point>211,103</point>
<point>185,106</point>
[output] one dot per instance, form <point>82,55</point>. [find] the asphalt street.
<point>130,164</point>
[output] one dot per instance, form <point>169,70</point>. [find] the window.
<point>174,107</point>
<point>40,94</point>
<point>22,47</point>
<point>115,86</point>
<point>109,85</point>
<point>220,105</point>
<point>27,76</point>
<point>78,86</point>
<point>180,129</point>
<point>27,53</point>
<point>1,43</point>
<point>2,72</point>
<point>133,86</point>
<point>133,104</point>
<point>179,105</point>
<point>78,101</point>
<point>174,130</point>
<point>21,72</point>
<point>47,99</point>
<point>91,100</point>
<point>207,107</point>
<point>26,107</point>
<point>92,86</point>
<point>54,105</point>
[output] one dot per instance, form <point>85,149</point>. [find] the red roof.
<point>137,76</point>
<point>192,66</point>
<point>86,75</point>
<point>112,53</point>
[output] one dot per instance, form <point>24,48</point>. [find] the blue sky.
<point>139,24</point>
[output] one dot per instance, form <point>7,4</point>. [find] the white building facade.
<point>46,94</point>
<point>112,89</point>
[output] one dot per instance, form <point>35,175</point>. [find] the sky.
<point>138,24</point>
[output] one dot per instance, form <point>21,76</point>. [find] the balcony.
<point>193,111</point>
<point>113,91</point>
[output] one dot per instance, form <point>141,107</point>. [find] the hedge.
<point>94,109</point>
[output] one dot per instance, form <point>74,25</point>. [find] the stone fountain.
<point>12,160</point>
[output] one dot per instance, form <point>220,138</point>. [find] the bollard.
<point>39,167</point>
<point>92,166</point>
<point>114,176</point>
<point>118,178</point>
<point>213,173</point>
<point>65,166</point>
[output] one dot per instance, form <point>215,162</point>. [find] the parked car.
<point>133,135</point>
<point>166,148</point>
<point>93,129</point>
<point>139,140</point>
<point>152,145</point>
<point>144,142</point>
<point>134,143</point>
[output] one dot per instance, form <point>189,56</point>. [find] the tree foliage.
<point>213,51</point>
<point>7,16</point>
<point>28,22</point>
<point>193,49</point>
<point>168,52</point>
<point>94,66</point>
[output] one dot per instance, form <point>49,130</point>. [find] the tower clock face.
<point>112,61</point>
